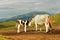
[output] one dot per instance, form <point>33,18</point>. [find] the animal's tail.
<point>50,22</point>
<point>50,25</point>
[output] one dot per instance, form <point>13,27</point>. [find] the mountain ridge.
<point>26,16</point>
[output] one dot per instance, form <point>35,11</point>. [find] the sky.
<point>10,8</point>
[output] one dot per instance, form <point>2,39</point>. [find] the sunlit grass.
<point>56,19</point>
<point>3,37</point>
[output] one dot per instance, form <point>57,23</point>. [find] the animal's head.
<point>30,22</point>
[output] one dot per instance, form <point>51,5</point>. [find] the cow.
<point>20,23</point>
<point>41,19</point>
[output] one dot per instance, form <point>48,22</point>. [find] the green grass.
<point>3,37</point>
<point>56,18</point>
<point>8,25</point>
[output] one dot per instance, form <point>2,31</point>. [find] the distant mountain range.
<point>3,19</point>
<point>26,16</point>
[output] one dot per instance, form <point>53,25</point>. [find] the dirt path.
<point>31,35</point>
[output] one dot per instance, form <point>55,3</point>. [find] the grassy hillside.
<point>7,25</point>
<point>56,19</point>
<point>11,24</point>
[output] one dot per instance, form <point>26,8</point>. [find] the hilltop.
<point>30,15</point>
<point>26,16</point>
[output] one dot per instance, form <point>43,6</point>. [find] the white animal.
<point>41,19</point>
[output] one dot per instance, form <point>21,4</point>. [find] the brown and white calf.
<point>22,22</point>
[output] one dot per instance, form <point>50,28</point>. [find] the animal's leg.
<point>25,27</point>
<point>36,26</point>
<point>47,26</point>
<point>50,25</point>
<point>18,28</point>
<point>40,29</point>
<point>16,25</point>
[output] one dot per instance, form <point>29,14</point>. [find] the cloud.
<point>16,7</point>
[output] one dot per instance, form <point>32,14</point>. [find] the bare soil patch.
<point>31,34</point>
